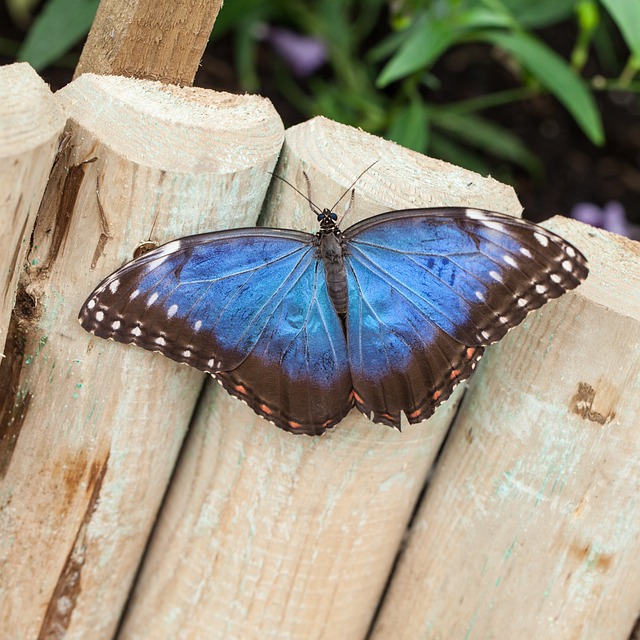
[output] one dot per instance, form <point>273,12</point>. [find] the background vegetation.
<point>487,84</point>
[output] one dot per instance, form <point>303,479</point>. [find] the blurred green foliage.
<point>381,56</point>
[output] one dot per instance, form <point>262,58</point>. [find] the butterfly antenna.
<point>313,206</point>
<point>351,186</point>
<point>348,209</point>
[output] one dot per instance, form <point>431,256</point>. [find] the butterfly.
<point>387,316</point>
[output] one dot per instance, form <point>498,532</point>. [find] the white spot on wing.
<point>136,331</point>
<point>480,295</point>
<point>135,294</point>
<point>152,298</point>
<point>186,354</point>
<point>542,239</point>
<point>540,288</point>
<point>154,264</point>
<point>211,363</point>
<point>91,304</point>
<point>161,341</point>
<point>522,302</point>
<point>525,252</point>
<point>475,214</point>
<point>113,286</point>
<point>197,325</point>
<point>169,248</point>
<point>555,278</point>
<point>510,261</point>
<point>570,251</point>
<point>99,316</point>
<point>496,276</point>
<point>493,224</point>
<point>567,265</point>
<point>172,310</point>
<point>116,325</point>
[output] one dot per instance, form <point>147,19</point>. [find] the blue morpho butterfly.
<point>387,316</point>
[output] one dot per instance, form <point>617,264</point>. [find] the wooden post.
<point>269,534</point>
<point>530,527</point>
<point>149,39</point>
<point>30,125</point>
<point>98,425</point>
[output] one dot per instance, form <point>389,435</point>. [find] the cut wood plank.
<point>149,39</point>
<point>30,124</point>
<point>98,425</point>
<point>530,527</point>
<point>265,534</point>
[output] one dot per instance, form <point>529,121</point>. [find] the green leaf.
<point>245,46</point>
<point>421,48</point>
<point>239,13</point>
<point>490,138</point>
<point>388,45</point>
<point>59,26</point>
<point>481,18</point>
<point>540,13</point>
<point>556,75</point>
<point>626,14</point>
<point>21,11</point>
<point>410,127</point>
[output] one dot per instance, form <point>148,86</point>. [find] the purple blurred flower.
<point>611,217</point>
<point>304,54</point>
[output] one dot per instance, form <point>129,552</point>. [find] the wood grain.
<point>101,424</point>
<point>530,528</point>
<point>265,534</point>
<point>30,125</point>
<point>149,39</point>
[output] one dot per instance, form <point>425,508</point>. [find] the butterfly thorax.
<point>331,246</point>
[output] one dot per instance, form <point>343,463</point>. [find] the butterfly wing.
<point>429,288</point>
<point>249,306</point>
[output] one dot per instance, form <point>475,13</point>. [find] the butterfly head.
<point>328,220</point>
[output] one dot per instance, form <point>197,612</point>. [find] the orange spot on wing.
<point>240,389</point>
<point>357,398</point>
<point>454,374</point>
<point>437,394</point>
<point>294,425</point>
<point>415,413</point>
<point>471,352</point>
<point>266,409</point>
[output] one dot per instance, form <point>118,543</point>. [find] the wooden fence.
<point>138,500</point>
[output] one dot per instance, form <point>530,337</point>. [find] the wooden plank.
<point>530,526</point>
<point>98,425</point>
<point>30,125</point>
<point>149,39</point>
<point>265,534</point>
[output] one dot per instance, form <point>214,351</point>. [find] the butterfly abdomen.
<point>332,252</point>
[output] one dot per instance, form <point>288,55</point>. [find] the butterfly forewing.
<point>475,273</point>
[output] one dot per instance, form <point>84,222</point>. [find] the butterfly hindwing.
<point>399,359</point>
<point>428,289</point>
<point>297,373</point>
<point>249,306</point>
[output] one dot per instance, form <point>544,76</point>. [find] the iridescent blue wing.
<point>249,306</point>
<point>429,288</point>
